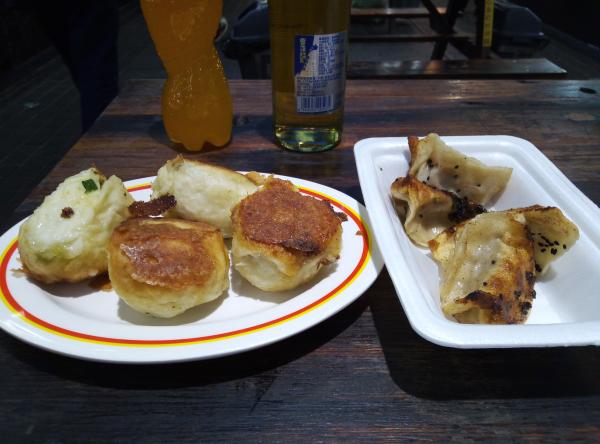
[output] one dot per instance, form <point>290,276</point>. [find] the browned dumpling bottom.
<point>163,267</point>
<point>282,238</point>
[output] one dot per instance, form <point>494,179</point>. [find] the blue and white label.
<point>319,65</point>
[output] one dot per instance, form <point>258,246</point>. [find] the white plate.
<point>567,308</point>
<point>75,320</point>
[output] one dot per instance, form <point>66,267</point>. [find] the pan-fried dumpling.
<point>205,193</point>
<point>427,211</point>
<point>438,165</point>
<point>553,234</point>
<point>65,238</point>
<point>487,269</point>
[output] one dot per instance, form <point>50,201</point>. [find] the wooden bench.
<point>430,37</point>
<point>441,22</point>
<point>403,13</point>
<point>392,13</point>
<point>457,69</point>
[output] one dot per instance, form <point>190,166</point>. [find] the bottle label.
<point>319,64</point>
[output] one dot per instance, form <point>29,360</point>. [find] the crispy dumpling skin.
<point>487,269</point>
<point>205,193</point>
<point>163,266</point>
<point>438,165</point>
<point>427,211</point>
<point>552,233</point>
<point>281,238</point>
<point>65,238</point>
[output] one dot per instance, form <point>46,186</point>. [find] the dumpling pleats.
<point>438,165</point>
<point>552,233</point>
<point>427,211</point>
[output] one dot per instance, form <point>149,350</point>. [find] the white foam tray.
<point>566,310</point>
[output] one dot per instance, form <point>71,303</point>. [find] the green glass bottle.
<point>309,41</point>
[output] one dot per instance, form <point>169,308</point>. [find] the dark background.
<point>40,113</point>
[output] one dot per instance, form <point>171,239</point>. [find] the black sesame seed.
<point>542,250</point>
<point>564,247</point>
<point>484,283</point>
<point>478,184</point>
<point>556,243</point>
<point>538,268</point>
<point>455,167</point>
<point>525,307</point>
<point>517,293</point>
<point>553,251</point>
<point>458,191</point>
<point>493,262</point>
<point>540,244</point>
<point>421,216</point>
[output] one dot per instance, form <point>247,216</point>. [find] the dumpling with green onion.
<point>66,237</point>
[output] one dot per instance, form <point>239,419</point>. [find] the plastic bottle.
<point>308,64</point>
<point>196,104</point>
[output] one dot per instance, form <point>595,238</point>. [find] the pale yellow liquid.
<point>289,18</point>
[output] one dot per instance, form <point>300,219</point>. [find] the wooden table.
<point>362,375</point>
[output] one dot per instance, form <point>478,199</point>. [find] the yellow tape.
<point>488,23</point>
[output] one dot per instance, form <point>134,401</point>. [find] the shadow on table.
<point>157,132</point>
<point>429,371</point>
<point>243,124</point>
<point>261,363</point>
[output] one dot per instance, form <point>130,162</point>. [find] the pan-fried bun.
<point>163,267</point>
<point>65,238</point>
<point>204,192</point>
<point>282,238</point>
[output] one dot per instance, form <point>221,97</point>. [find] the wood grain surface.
<point>456,69</point>
<point>364,374</point>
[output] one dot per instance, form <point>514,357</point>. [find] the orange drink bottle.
<point>196,104</point>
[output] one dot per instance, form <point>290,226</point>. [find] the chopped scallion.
<point>89,185</point>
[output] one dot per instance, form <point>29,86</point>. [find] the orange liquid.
<point>196,104</point>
